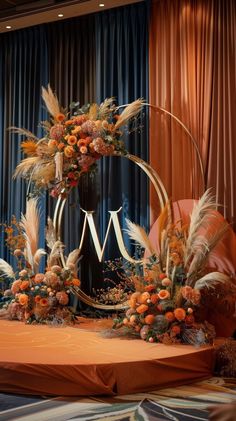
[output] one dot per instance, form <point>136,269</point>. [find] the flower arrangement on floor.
<point>173,282</point>
<point>36,297</point>
<point>73,142</point>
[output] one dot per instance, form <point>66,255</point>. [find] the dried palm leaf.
<point>23,132</point>
<point>139,235</point>
<point>211,280</point>
<point>30,226</point>
<point>129,112</point>
<point>105,108</point>
<point>51,101</point>
<point>6,270</point>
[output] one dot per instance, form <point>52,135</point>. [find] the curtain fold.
<point>122,72</point>
<point>192,75</point>
<point>23,69</point>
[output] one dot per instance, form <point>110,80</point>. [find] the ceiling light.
<point>60,15</point>
<point>8,27</point>
<point>101,4</point>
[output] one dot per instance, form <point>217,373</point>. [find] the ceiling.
<point>17,14</point>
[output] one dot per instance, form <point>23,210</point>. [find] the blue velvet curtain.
<point>23,70</point>
<point>87,58</point>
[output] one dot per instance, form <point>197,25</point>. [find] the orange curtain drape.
<point>193,76</point>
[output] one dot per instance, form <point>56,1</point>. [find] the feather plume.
<point>43,174</point>
<point>55,253</point>
<point>93,112</point>
<point>129,112</point>
<point>139,235</point>
<point>29,147</point>
<point>73,257</point>
<point>37,257</point>
<point>211,280</point>
<point>26,166</point>
<point>105,108</point>
<point>50,234</point>
<point>23,132</point>
<point>51,101</point>
<point>203,246</point>
<point>6,270</point>
<point>30,226</point>
<point>200,215</point>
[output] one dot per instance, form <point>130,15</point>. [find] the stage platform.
<point>79,361</point>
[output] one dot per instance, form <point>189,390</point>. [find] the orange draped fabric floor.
<point>38,359</point>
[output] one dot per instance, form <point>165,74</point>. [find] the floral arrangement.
<point>34,296</point>
<point>173,282</point>
<point>73,142</point>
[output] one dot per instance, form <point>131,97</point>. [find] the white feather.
<point>37,257</point>
<point>50,234</point>
<point>139,235</point>
<point>6,270</point>
<point>73,257</point>
<point>211,279</point>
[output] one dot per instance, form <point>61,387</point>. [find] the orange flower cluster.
<point>73,145</point>
<point>153,311</point>
<point>41,298</point>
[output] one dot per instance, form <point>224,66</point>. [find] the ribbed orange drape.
<point>193,75</point>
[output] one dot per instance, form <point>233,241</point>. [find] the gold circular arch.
<point>58,213</point>
<point>158,186</point>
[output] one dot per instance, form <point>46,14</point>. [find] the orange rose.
<point>83,149</point>
<point>60,117</point>
<point>24,285</point>
<point>142,299</point>
<point>37,298</point>
<point>175,330</point>
<point>170,316</point>
<point>76,282</point>
<point>142,308</point>
<point>43,302</point>
<point>68,151</point>
<point>149,319</point>
<point>180,314</point>
<point>16,286</point>
<point>163,294</point>
<point>72,140</point>
<point>23,299</point>
<point>154,298</point>
<point>61,146</point>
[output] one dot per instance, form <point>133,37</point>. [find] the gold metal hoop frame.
<point>158,186</point>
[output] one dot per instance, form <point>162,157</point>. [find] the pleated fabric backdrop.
<point>85,59</point>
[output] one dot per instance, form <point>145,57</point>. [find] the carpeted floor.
<point>183,403</point>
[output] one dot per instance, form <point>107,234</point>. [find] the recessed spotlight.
<point>60,15</point>
<point>8,27</point>
<point>101,4</point>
